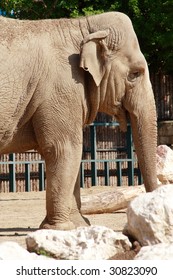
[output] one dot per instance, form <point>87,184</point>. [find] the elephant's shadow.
<point>77,72</point>
<point>19,231</point>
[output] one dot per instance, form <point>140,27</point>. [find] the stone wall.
<point>165,133</point>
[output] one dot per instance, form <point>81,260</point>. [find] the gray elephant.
<point>55,75</point>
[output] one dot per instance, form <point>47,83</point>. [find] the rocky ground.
<point>22,213</point>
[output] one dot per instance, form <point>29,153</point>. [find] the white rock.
<point>13,251</point>
<point>83,243</point>
<point>161,251</point>
<point>150,216</point>
<point>164,164</point>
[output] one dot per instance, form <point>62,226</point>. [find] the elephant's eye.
<point>133,76</point>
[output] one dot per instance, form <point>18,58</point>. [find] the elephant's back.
<point>14,29</point>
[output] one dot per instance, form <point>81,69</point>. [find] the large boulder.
<point>83,243</point>
<point>165,164</point>
<point>161,251</point>
<point>150,217</point>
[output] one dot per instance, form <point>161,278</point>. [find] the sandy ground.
<point>22,213</point>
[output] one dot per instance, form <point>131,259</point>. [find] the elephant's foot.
<point>78,220</point>
<point>57,226</point>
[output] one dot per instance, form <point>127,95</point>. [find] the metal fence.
<point>22,172</point>
<point>104,162</point>
<point>109,157</point>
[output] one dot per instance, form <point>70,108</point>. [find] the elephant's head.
<point>113,58</point>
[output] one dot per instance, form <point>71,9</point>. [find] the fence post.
<point>93,154</point>
<point>41,176</point>
<point>82,175</point>
<point>119,173</point>
<point>130,155</point>
<point>140,179</point>
<point>106,172</point>
<point>12,174</point>
<point>27,178</point>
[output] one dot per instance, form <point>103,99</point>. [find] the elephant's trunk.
<point>144,129</point>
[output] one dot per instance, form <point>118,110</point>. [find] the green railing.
<point>12,176</point>
<point>130,172</point>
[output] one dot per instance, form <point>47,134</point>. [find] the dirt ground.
<point>22,213</point>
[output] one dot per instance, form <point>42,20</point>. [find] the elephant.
<point>55,76</point>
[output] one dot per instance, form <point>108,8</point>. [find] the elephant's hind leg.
<point>58,128</point>
<point>61,173</point>
<point>75,215</point>
<point>62,156</point>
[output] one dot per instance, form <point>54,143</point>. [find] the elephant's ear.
<point>92,56</point>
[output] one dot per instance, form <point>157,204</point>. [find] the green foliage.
<point>43,252</point>
<point>152,20</point>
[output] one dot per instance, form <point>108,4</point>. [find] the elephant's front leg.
<point>62,167</point>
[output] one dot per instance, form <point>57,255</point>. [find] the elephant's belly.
<point>18,140</point>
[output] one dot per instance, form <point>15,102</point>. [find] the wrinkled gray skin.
<point>55,75</point>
